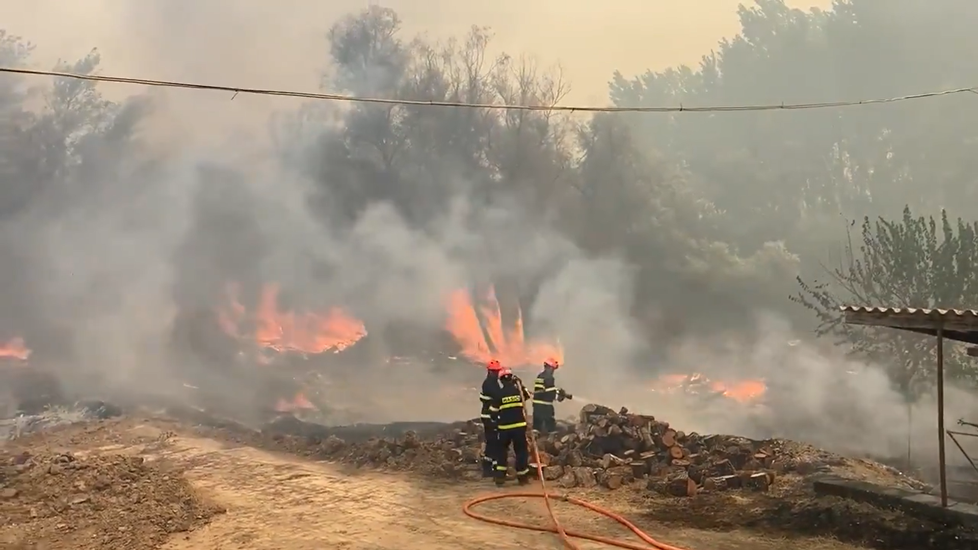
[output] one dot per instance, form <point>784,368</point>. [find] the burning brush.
<point>743,391</point>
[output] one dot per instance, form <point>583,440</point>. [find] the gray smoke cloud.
<point>100,276</point>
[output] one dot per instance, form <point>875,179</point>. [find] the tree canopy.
<point>915,262</point>
<point>589,178</point>
<point>716,213</point>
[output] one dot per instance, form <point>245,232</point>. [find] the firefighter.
<point>545,391</point>
<point>510,421</point>
<point>490,386</point>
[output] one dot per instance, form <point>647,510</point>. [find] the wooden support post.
<point>942,458</point>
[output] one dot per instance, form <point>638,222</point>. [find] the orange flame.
<point>511,347</point>
<point>15,348</point>
<point>307,332</point>
<point>744,391</point>
<point>298,403</point>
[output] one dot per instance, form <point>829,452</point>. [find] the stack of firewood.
<point>614,448</point>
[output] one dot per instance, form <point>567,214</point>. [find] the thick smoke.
<point>97,277</point>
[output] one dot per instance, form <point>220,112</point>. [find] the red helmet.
<point>505,372</point>
<point>494,366</point>
<point>552,363</point>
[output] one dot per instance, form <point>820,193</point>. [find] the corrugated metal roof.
<point>956,324</point>
<point>925,312</point>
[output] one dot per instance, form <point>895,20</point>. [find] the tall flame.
<point>307,332</point>
<point>15,348</point>
<point>510,345</point>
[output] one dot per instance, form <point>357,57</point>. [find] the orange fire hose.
<point>565,535</point>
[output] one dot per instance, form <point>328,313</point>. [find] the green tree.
<point>66,153</point>
<point>586,177</point>
<point>911,262</point>
<point>789,175</point>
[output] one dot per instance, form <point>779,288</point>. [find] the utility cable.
<point>437,103</point>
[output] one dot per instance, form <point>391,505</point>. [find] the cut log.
<point>610,460</point>
<point>584,477</point>
<point>721,468</point>
<point>758,481</point>
<point>567,481</point>
<point>639,469</point>
<point>714,484</point>
<point>575,459</point>
<point>646,437</point>
<point>676,452</point>
<point>669,438</point>
<point>729,482</point>
<point>552,473</point>
<point>591,411</point>
<point>613,481</point>
<point>681,486</point>
<point>710,484</point>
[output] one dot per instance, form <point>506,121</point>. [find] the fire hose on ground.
<point>566,536</point>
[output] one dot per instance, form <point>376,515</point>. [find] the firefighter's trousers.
<point>491,452</point>
<point>516,438</point>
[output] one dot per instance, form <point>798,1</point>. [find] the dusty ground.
<point>276,501</point>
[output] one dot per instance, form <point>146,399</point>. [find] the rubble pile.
<point>604,448</point>
<point>110,501</point>
<point>453,451</point>
<point>613,449</point>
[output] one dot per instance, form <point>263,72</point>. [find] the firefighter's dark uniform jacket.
<point>545,390</point>
<point>489,388</point>
<point>506,407</point>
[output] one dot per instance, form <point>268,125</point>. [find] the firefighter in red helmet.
<point>510,421</point>
<point>490,386</point>
<point>545,392</point>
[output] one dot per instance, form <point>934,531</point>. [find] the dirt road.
<point>278,502</point>
<point>281,502</point>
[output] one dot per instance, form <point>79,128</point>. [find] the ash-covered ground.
<point>97,476</point>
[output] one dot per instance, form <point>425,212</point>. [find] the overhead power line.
<point>436,103</point>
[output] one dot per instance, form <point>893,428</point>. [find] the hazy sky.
<point>281,43</point>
